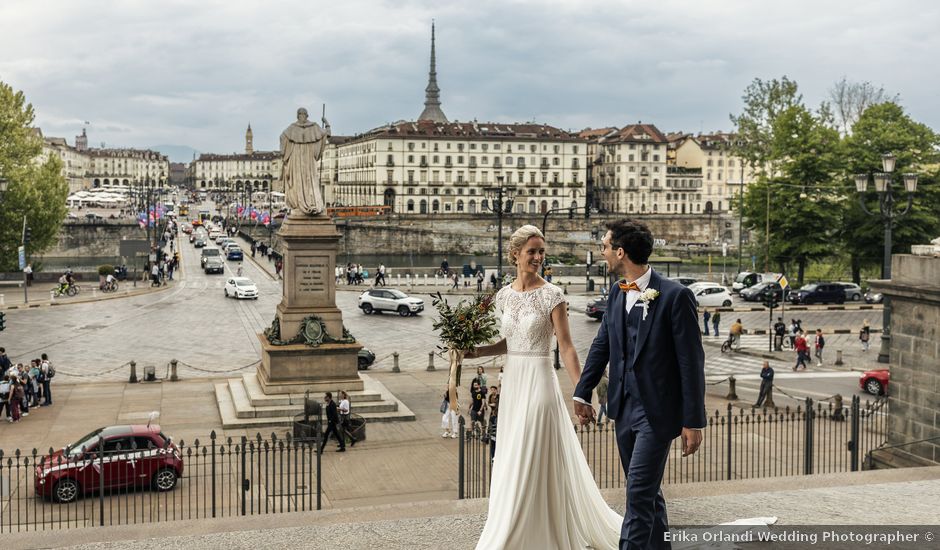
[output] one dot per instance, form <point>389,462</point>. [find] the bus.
<point>184,210</point>
<point>204,214</point>
<point>358,211</point>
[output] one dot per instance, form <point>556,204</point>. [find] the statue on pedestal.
<point>302,145</point>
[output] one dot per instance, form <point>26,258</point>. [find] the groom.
<point>651,339</point>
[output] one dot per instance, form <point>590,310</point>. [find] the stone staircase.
<point>243,404</point>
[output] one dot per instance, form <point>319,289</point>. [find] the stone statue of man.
<point>302,145</point>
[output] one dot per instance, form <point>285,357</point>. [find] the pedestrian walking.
<point>864,335</point>
<point>278,266</point>
<point>780,331</point>
<point>716,318</point>
<point>449,418</point>
<point>380,275</point>
<point>819,345</point>
<point>477,405</point>
<point>344,418</point>
<point>706,316</point>
<point>802,350</point>
<point>766,382</point>
<point>28,270</point>
<point>480,279</point>
<point>602,399</point>
<point>456,278</point>
<point>794,330</point>
<point>253,249</point>
<point>332,424</point>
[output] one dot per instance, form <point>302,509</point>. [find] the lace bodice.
<point>526,322</point>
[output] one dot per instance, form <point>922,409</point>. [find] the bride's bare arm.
<point>499,348</point>
<point>565,347</point>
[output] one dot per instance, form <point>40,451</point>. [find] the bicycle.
<point>726,345</point>
<point>70,290</point>
<point>109,286</point>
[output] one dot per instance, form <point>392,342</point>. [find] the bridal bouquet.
<point>463,327</point>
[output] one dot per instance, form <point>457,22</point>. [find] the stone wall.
<point>914,400</point>
<point>80,239</point>
<point>477,234</point>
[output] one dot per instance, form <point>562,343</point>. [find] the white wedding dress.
<point>542,493</point>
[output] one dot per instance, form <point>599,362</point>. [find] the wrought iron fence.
<point>737,445</point>
<point>104,484</point>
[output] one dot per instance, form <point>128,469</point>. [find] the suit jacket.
<point>668,359</point>
<point>332,413</point>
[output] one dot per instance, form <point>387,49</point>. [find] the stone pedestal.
<point>309,248</point>
<point>310,245</point>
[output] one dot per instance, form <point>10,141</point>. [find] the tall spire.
<point>432,94</point>
<point>249,138</point>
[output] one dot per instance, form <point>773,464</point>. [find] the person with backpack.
<point>820,344</point>
<point>47,372</point>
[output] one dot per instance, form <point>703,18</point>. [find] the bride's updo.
<point>520,237</point>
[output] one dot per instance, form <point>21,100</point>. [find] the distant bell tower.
<point>249,149</point>
<point>81,142</point>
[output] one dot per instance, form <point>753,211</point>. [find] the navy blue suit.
<point>657,387</point>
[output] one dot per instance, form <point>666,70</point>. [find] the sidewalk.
<point>903,497</point>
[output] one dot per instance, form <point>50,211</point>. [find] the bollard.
<point>732,395</point>
<point>94,293</point>
<point>173,376</point>
<point>133,378</point>
<point>425,279</point>
<point>398,280</point>
<point>52,295</point>
<point>839,357</point>
<point>430,360</point>
<point>769,401</point>
<point>395,362</point>
<point>2,300</point>
<point>837,409</point>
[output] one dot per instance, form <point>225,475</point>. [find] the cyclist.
<point>110,282</point>
<point>63,284</point>
<point>737,329</point>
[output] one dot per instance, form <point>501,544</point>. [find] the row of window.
<point>459,177</point>
<point>532,147</point>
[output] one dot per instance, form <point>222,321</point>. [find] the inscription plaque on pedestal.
<point>311,275</point>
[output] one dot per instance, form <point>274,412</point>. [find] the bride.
<point>542,493</point>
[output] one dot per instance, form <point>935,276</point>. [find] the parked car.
<point>704,284</point>
<point>760,291</point>
<point>875,381</point>
<point>213,264</point>
<point>712,296</point>
<point>389,299</point>
<point>874,297</point>
<point>129,456</point>
<point>747,279</point>
<point>208,253</point>
<point>853,292</point>
<point>241,287</point>
<point>819,293</point>
<point>596,308</point>
<point>684,281</point>
<point>234,253</point>
<point>365,358</point>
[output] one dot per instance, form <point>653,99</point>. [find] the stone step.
<point>230,419</point>
<point>259,399</point>
<point>248,406</point>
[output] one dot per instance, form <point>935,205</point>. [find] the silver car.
<point>377,300</point>
<point>853,292</point>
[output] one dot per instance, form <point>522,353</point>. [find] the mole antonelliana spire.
<point>432,99</point>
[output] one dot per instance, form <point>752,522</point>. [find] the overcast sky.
<point>197,72</point>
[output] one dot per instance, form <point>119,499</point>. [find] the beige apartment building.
<point>252,170</point>
<point>722,172</point>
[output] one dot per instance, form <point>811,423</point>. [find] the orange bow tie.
<point>625,286</point>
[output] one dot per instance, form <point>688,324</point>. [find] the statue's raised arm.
<point>302,145</point>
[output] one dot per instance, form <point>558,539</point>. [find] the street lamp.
<point>889,216</point>
<point>498,205</point>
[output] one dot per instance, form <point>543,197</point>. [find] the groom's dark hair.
<point>633,237</point>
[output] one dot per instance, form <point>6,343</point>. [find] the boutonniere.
<point>646,297</point>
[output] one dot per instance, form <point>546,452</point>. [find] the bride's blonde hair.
<point>520,237</point>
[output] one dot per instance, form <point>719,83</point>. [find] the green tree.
<point>886,128</point>
<point>800,200</point>
<point>36,187</point>
<point>763,103</point>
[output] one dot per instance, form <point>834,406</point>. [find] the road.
<point>212,336</point>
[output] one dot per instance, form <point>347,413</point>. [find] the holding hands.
<point>585,413</point>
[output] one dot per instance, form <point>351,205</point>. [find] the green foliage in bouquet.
<point>466,325</point>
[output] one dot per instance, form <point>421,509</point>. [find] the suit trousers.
<point>643,455</point>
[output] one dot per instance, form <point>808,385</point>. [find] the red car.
<point>134,456</point>
<point>875,381</point>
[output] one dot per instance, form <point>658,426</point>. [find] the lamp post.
<point>889,216</point>
<point>500,205</point>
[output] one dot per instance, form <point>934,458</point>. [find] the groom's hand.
<point>691,439</point>
<point>585,412</point>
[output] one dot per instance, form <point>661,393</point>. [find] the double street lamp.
<point>889,215</point>
<point>500,202</point>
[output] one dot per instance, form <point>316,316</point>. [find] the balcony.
<point>533,184</point>
<point>473,164</point>
<point>544,165</point>
<point>644,171</point>
<point>497,164</point>
<point>448,164</point>
<point>656,188</point>
<point>424,163</point>
<point>390,163</point>
<point>556,184</point>
<point>575,185</point>
<point>461,183</point>
<point>575,165</point>
<point>520,165</point>
<point>436,183</point>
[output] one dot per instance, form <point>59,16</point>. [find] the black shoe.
<point>353,442</point>
<point>341,450</point>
